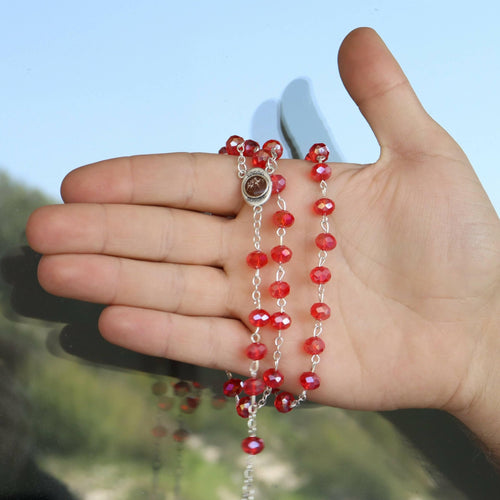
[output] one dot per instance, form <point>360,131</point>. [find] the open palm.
<point>415,274</point>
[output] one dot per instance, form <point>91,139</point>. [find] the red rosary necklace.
<point>257,185</point>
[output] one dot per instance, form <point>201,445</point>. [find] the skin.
<point>415,294</point>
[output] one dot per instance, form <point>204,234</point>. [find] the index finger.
<point>194,181</point>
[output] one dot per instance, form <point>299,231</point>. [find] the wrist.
<point>481,411</point>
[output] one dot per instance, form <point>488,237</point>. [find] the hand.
<point>415,288</point>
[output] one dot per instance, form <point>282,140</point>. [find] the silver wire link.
<point>281,202</point>
<point>323,185</point>
<point>248,490</point>
<point>257,224</point>
<point>324,224</point>
<point>272,164</point>
<point>242,166</point>
<point>280,273</point>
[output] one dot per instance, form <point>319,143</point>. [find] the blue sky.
<point>84,81</point>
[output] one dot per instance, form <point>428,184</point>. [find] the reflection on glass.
<point>81,418</point>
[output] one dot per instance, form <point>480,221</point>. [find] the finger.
<point>192,290</point>
<point>211,342</point>
<point>379,87</point>
<point>202,182</point>
<point>139,232</point>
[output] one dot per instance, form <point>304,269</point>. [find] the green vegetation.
<point>90,426</point>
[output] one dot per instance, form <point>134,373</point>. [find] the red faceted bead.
<point>243,407</point>
<point>180,435</point>
<point>326,241</point>
<point>319,152</point>
<point>273,145</point>
<point>273,378</point>
<point>283,218</point>
<point>223,151</point>
<point>320,275</point>
<point>320,311</point>
<point>193,402</point>
<point>185,408</point>
<point>232,144</point>
<point>232,387</point>
<point>256,259</point>
<point>159,431</point>
<point>324,206</point>
<point>181,388</point>
<point>279,289</point>
<point>254,386</point>
<point>281,254</point>
<point>309,381</point>
<point>314,345</point>
<point>250,147</point>
<point>218,402</point>
<point>256,351</point>
<point>259,317</point>
<point>308,157</point>
<point>278,183</point>
<point>252,445</point>
<point>321,172</point>
<point>159,388</point>
<point>259,158</point>
<point>165,403</point>
<point>283,402</point>
<point>280,321</point>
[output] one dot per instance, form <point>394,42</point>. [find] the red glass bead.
<point>280,321</point>
<point>281,254</point>
<point>181,388</point>
<point>193,402</point>
<point>283,402</point>
<point>254,386</point>
<point>273,378</point>
<point>278,183</point>
<point>232,387</point>
<point>308,157</point>
<point>159,388</point>
<point>252,445</point>
<point>185,408</point>
<point>279,289</point>
<point>320,275</point>
<point>159,431</point>
<point>256,351</point>
<point>218,402</point>
<point>273,145</point>
<point>326,241</point>
<point>250,147</point>
<point>256,259</point>
<point>165,403</point>
<point>319,152</point>
<point>321,172</point>
<point>320,311</point>
<point>309,381</point>
<point>324,206</point>
<point>259,158</point>
<point>180,435</point>
<point>243,407</point>
<point>223,151</point>
<point>314,345</point>
<point>259,317</point>
<point>283,218</point>
<point>232,144</point>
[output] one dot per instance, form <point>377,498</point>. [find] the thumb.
<point>377,84</point>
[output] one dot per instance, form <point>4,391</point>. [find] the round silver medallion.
<point>256,186</point>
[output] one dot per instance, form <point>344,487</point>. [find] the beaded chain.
<point>257,186</point>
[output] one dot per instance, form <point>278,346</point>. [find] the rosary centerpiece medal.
<point>256,186</point>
